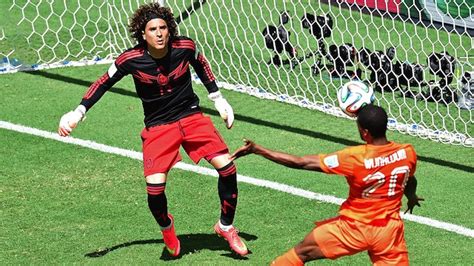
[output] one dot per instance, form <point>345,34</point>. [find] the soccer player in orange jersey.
<point>378,174</point>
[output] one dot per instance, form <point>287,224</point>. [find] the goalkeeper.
<point>159,64</point>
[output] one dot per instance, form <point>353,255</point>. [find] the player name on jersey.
<point>381,161</point>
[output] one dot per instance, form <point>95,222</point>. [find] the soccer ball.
<point>354,95</point>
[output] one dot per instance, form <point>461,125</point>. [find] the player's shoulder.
<point>351,152</point>
<point>397,145</point>
<point>408,148</point>
<point>129,54</point>
<point>357,149</point>
<point>183,42</point>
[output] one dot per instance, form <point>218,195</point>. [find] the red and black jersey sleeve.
<point>114,74</point>
<point>203,70</point>
<point>100,86</point>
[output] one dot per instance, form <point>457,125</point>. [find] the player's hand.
<point>223,107</point>
<point>70,120</point>
<point>412,202</point>
<point>248,148</point>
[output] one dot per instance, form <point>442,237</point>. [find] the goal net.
<point>417,54</point>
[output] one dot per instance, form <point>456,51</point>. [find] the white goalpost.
<point>417,54</point>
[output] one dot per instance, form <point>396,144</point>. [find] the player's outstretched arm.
<point>223,107</point>
<point>70,120</point>
<point>308,162</point>
<point>410,193</point>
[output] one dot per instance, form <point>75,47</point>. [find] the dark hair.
<point>374,119</point>
<point>147,12</point>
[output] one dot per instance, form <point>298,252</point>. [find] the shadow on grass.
<point>256,121</point>
<point>190,243</point>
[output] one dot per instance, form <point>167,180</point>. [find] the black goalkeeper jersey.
<point>163,85</point>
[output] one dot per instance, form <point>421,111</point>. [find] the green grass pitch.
<point>62,203</point>
<point>65,204</point>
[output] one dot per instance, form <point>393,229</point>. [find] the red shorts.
<point>195,133</point>
<point>339,237</point>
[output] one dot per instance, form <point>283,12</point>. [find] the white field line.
<point>241,178</point>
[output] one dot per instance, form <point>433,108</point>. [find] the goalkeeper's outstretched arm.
<point>307,162</point>
<point>70,119</point>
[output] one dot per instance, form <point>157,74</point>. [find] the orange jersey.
<point>376,175</point>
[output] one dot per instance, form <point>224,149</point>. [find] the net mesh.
<point>298,52</point>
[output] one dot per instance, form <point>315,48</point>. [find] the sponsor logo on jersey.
<point>331,161</point>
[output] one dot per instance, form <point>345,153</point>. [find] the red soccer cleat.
<point>235,243</point>
<point>171,241</point>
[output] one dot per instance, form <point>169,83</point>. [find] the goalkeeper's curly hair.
<point>147,12</point>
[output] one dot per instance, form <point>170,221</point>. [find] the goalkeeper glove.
<point>70,119</point>
<point>223,107</point>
